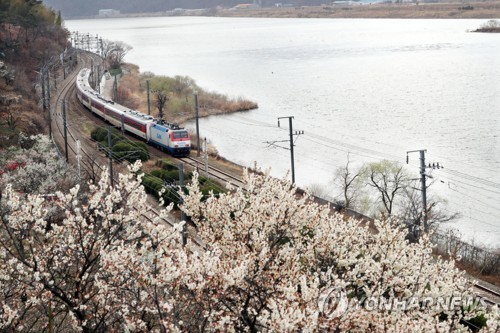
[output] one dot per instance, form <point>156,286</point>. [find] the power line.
<point>249,124</point>
<point>479,201</point>
<point>472,178</point>
<point>478,220</point>
<point>478,187</point>
<point>377,153</point>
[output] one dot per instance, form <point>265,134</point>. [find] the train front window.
<point>180,135</point>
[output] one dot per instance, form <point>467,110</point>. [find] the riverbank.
<point>179,91</point>
<point>492,26</point>
<point>415,10</point>
<point>179,106</point>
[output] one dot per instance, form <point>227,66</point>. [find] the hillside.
<point>31,36</point>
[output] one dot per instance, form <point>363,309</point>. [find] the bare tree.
<point>160,101</point>
<point>413,212</point>
<point>115,52</point>
<point>350,181</point>
<point>107,48</point>
<point>389,179</point>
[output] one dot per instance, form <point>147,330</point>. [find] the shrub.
<point>103,145</point>
<point>491,24</point>
<point>99,134</point>
<point>122,149</point>
<point>202,180</point>
<point>166,179</point>
<point>126,151</point>
<point>166,165</point>
<point>207,186</point>
<point>210,187</point>
<point>162,174</point>
<point>152,185</point>
<point>140,145</point>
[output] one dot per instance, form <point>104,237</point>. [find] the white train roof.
<point>84,86</point>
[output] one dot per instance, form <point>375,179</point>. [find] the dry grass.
<point>471,269</point>
<point>180,105</point>
<point>128,93</point>
<point>489,9</point>
<point>493,279</point>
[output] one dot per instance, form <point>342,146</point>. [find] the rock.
<point>10,99</point>
<point>6,74</point>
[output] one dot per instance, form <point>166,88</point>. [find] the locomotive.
<point>156,132</point>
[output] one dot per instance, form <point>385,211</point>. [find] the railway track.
<point>91,160</point>
<point>214,172</point>
<point>491,297</point>
<point>74,135</point>
<point>84,115</point>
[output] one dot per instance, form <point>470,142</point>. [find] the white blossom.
<point>267,259</point>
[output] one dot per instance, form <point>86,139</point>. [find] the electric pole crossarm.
<point>423,179</point>
<point>292,133</point>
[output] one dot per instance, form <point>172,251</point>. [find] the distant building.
<point>108,12</point>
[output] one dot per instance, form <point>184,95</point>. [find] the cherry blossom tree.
<point>264,260</point>
<point>39,168</point>
<point>68,273</point>
<point>279,255</point>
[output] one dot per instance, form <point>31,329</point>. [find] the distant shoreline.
<point>414,10</point>
<point>453,10</point>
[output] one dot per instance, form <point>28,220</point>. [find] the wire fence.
<point>485,261</point>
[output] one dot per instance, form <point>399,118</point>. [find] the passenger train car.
<point>165,136</point>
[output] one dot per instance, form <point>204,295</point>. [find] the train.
<point>165,136</point>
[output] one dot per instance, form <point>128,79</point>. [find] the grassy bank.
<point>179,90</point>
<point>492,26</point>
<point>490,9</point>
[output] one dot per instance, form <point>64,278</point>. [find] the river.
<point>370,88</point>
